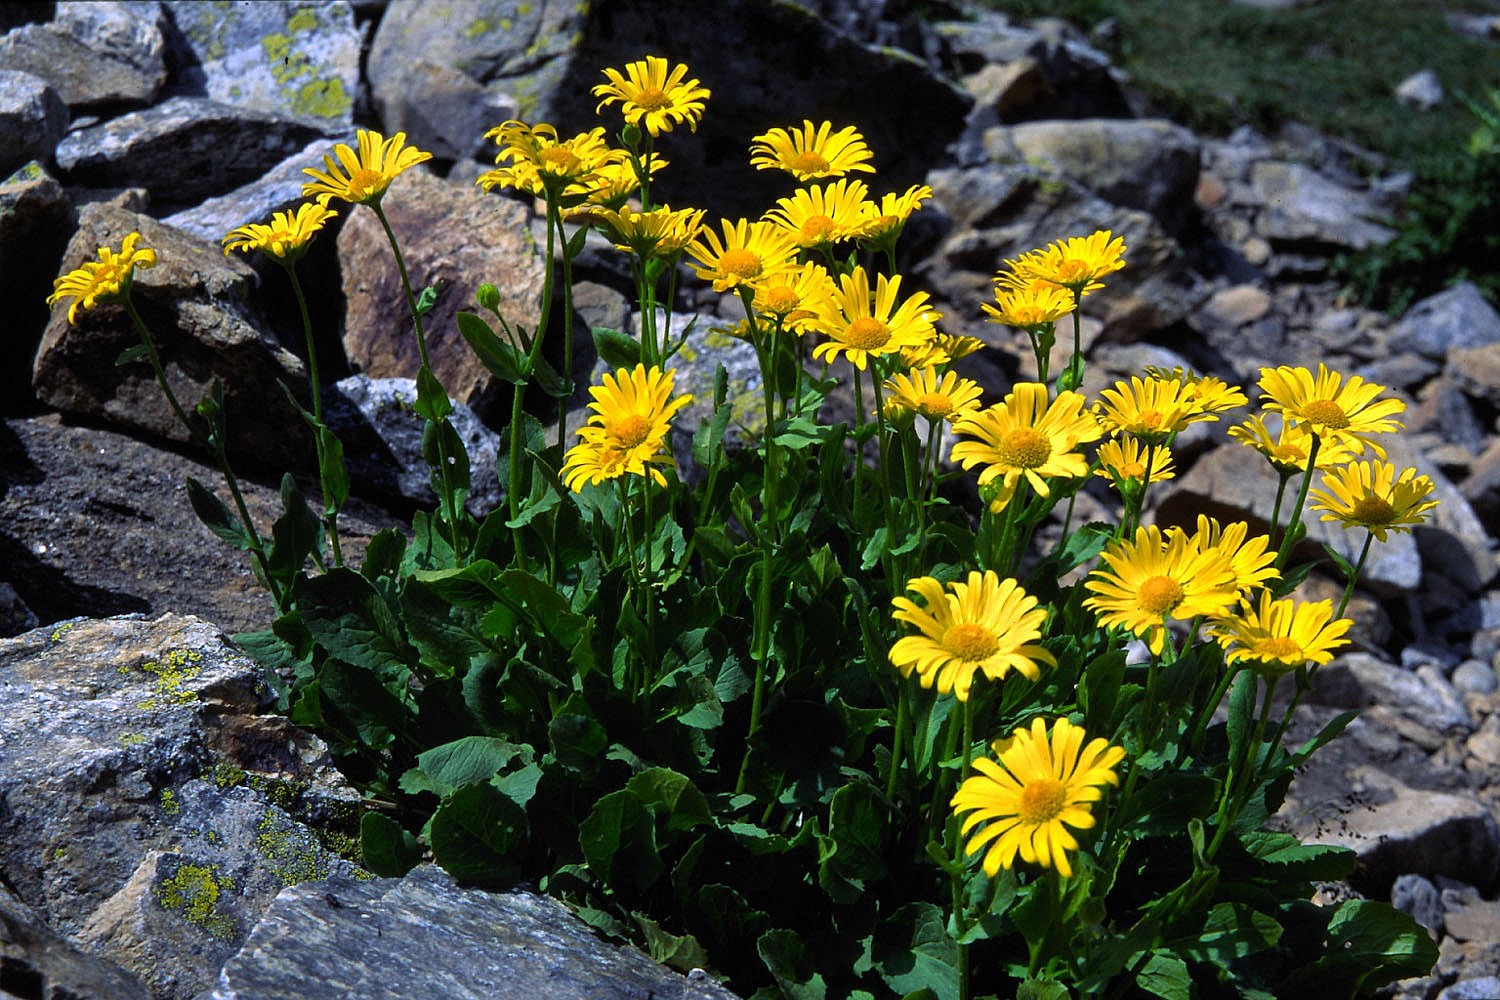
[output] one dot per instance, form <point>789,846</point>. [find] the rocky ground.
<point>151,830</point>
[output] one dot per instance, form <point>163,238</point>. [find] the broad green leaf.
<point>131,355</point>
<point>432,399</point>
<point>1294,859</point>
<point>1042,989</point>
<point>1232,930</point>
<point>349,618</point>
<point>388,850</point>
<point>464,761</point>
<point>475,835</point>
<point>376,714</point>
<point>1166,976</point>
<point>439,439</point>
<point>618,840</point>
<point>331,470</point>
<point>913,950</point>
<point>216,515</point>
<point>501,358</point>
<point>678,951</point>
<point>784,953</point>
<point>615,348</point>
<point>672,796</point>
<point>854,848</point>
<point>296,534</point>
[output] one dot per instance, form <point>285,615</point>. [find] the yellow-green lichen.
<point>303,20</point>
<point>292,854</point>
<point>193,892</point>
<point>61,631</point>
<point>213,837</point>
<point>299,82</point>
<point>172,672</point>
<point>128,740</point>
<point>224,775</point>
<point>477,27</point>
<point>169,803</point>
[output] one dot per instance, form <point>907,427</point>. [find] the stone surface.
<point>425,936</point>
<point>96,54</point>
<point>1358,680</point>
<point>277,190</point>
<point>36,220</point>
<point>32,119</point>
<point>36,961</point>
<point>1456,318</point>
<point>1422,90</point>
<point>1417,896</point>
<point>1304,206</point>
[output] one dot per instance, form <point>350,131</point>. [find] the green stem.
<point>315,386</point>
<point>1359,566</point>
<point>1286,539</point>
<point>903,710</point>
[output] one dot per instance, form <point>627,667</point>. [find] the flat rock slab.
<point>95,55</point>
<point>424,936</point>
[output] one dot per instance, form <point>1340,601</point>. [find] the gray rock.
<point>36,219</point>
<point>1481,988</point>
<point>1457,317</point>
<point>1444,409</point>
<point>1476,370</point>
<point>1417,897</point>
<point>277,190</point>
<point>288,57</point>
<point>1474,677</point>
<point>15,616</point>
<point>1423,91</point>
<point>182,150</point>
<point>94,54</point>
<point>1357,680</point>
<point>453,234</point>
<point>32,119</point>
<point>1147,165</point>
<point>1303,206</point>
<point>198,306</point>
<point>424,936</point>
<point>36,958</point>
<point>382,438</point>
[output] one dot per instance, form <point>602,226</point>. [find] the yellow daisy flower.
<point>627,432</point>
<point>1076,263</point>
<point>1042,784</point>
<point>615,180</point>
<point>1330,407</point>
<point>1371,495</point>
<point>862,323</point>
<point>750,252</point>
<point>1290,448</point>
<point>936,397</point>
<point>533,160</point>
<point>103,279</point>
<point>1154,577</point>
<point>984,625</point>
<point>886,220</point>
<point>796,297</point>
<point>822,216</point>
<point>661,232</point>
<point>1125,458</point>
<point>1251,559</point>
<point>1276,637</point>
<point>811,152</point>
<point>288,235</point>
<point>1030,304</point>
<point>362,178</point>
<point>652,98</point>
<point>1025,436</point>
<point>1152,409</point>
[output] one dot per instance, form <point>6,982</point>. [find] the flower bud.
<point>488,296</point>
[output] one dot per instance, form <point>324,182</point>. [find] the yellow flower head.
<point>1330,407</point>
<point>661,232</point>
<point>1152,409</point>
<point>750,252</point>
<point>1252,560</point>
<point>862,323</point>
<point>1154,577</point>
<point>936,397</point>
<point>615,180</point>
<point>811,152</point>
<point>1077,262</point>
<point>1276,637</point>
<point>362,178</point>
<point>533,160</point>
<point>795,298</point>
<point>1125,458</point>
<point>822,216</point>
<point>1371,495</point>
<point>1289,450</point>
<point>1025,436</point>
<point>884,222</point>
<point>627,432</point>
<point>287,237</point>
<point>1211,393</point>
<point>984,625</point>
<point>1042,784</point>
<point>103,279</point>
<point>652,98</point>
<point>1029,304</point>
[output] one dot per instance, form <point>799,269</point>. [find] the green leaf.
<point>1324,736</point>
<point>914,950</point>
<point>476,834</point>
<point>501,358</point>
<point>216,515</point>
<point>439,438</point>
<point>1296,860</point>
<point>615,348</point>
<point>296,534</point>
<point>432,399</point>
<point>853,852</point>
<point>1099,690</point>
<point>331,471</point>
<point>1241,721</point>
<point>131,355</point>
<point>348,617</point>
<point>1042,989</point>
<point>383,555</point>
<point>376,714</point>
<point>464,761</point>
<point>671,796</point>
<point>784,953</point>
<point>1166,976</point>
<point>427,297</point>
<point>1232,931</point>
<point>709,436</point>
<point>1370,944</point>
<point>576,738</point>
<point>677,951</point>
<point>618,840</point>
<point>387,848</point>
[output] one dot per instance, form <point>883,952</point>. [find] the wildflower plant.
<point>800,718</point>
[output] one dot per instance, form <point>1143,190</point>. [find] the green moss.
<point>169,803</point>
<point>193,893</point>
<point>172,672</point>
<point>128,740</point>
<point>291,854</point>
<point>476,28</point>
<point>303,20</point>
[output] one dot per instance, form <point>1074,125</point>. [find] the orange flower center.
<point>1073,272</point>
<point>970,642</point>
<point>1025,448</point>
<point>1373,510</point>
<point>780,299</point>
<point>818,229</point>
<point>364,182</point>
<point>560,160</point>
<point>631,431</point>
<point>1277,647</point>
<point>867,334</point>
<point>652,99</point>
<point>1150,419</point>
<point>934,404</point>
<point>1132,470</point>
<point>740,262</point>
<point>1326,413</point>
<point>1041,800</point>
<point>1160,594</point>
<point>808,161</point>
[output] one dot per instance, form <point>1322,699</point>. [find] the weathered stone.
<point>458,236</point>
<point>182,150</point>
<point>447,112</point>
<point>1419,898</point>
<point>289,57</point>
<point>1479,988</point>
<point>1146,165</point>
<point>36,219</point>
<point>1423,91</point>
<point>1473,677</point>
<point>1357,680</point>
<point>198,306</point>
<point>32,119</point>
<point>94,54</point>
<point>277,190</point>
<point>1458,317</point>
<point>1237,306</point>
<point>38,962</point>
<point>1303,206</point>
<point>1010,90</point>
<point>424,936</point>
<point>1443,409</point>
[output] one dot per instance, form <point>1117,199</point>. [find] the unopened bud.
<point>488,296</point>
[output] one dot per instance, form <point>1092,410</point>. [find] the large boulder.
<point>96,54</point>
<point>32,119</point>
<point>1458,317</point>
<point>36,219</point>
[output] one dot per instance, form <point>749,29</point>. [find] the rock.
<point>1009,91</point>
<point>423,936</point>
<point>382,438</point>
<point>182,150</point>
<point>287,57</point>
<point>459,236</point>
<point>1422,91</point>
<point>1474,677</point>
<point>447,112</point>
<point>95,55</point>
<point>1476,370</point>
<point>1458,317</point>
<point>142,783</point>
<point>32,119</point>
<point>1444,409</point>
<point>36,219</point>
<point>1357,680</point>
<point>1302,206</point>
<point>198,305</point>
<point>42,963</point>
<point>1481,988</point>
<point>1148,165</point>
<point>1237,306</point>
<point>15,616</point>
<point>1419,898</point>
